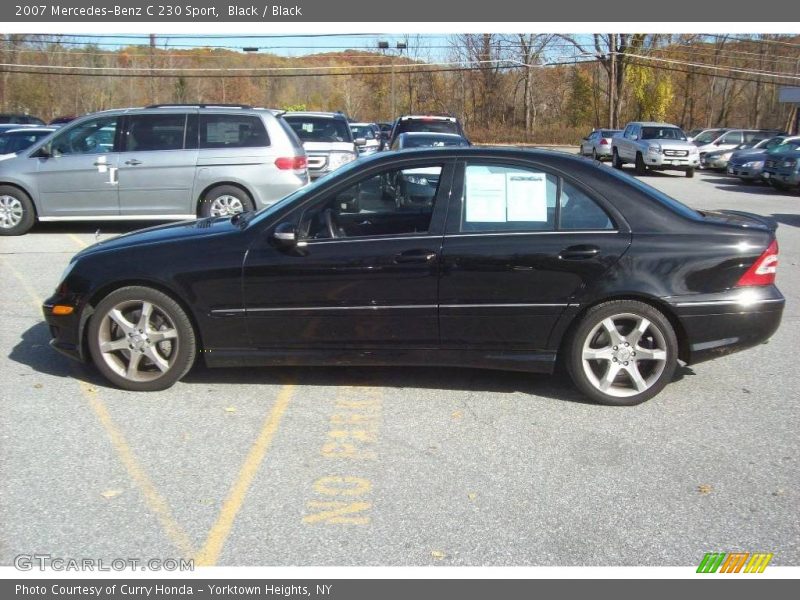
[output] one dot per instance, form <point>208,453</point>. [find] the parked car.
<point>20,119</point>
<point>17,140</point>
<point>786,172</point>
<point>371,134</point>
<point>522,258</point>
<point>427,124</point>
<point>419,139</point>
<point>598,143</point>
<point>717,160</point>
<point>162,162</point>
<point>327,139</point>
<point>12,126</point>
<point>748,165</point>
<point>693,133</point>
<point>656,146</point>
<point>774,168</point>
<point>727,139</point>
<point>386,130</point>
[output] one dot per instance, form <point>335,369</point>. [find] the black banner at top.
<point>392,11</point>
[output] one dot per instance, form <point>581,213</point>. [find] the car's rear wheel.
<point>690,172</point>
<point>778,185</point>
<point>622,353</point>
<point>140,339</point>
<point>616,162</point>
<point>639,166</point>
<point>17,214</point>
<point>225,201</point>
<point>594,154</point>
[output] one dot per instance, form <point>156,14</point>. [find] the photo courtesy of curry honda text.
<point>500,259</point>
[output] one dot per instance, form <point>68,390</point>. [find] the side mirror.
<point>360,142</point>
<point>45,151</point>
<point>285,235</point>
<point>634,137</point>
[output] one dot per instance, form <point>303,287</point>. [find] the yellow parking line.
<point>155,501</point>
<point>219,533</point>
<point>34,296</point>
<point>77,240</point>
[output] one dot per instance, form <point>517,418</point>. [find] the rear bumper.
<point>720,324</point>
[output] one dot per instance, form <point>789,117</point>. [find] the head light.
<point>754,164</point>
<point>654,149</point>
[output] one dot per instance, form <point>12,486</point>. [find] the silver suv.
<point>656,146</point>
<point>327,139</point>
<point>162,162</point>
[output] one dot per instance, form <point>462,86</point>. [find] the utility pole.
<point>383,46</point>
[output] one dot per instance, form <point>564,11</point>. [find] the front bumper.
<point>714,163</point>
<point>67,330</point>
<point>661,162</point>
<point>789,178</point>
<point>720,324</point>
<point>742,172</point>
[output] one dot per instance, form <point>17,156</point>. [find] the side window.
<point>499,198</point>
<point>92,137</point>
<point>394,202</point>
<point>232,131</point>
<point>579,211</point>
<point>148,132</point>
<point>734,137</point>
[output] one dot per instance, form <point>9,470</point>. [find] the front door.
<point>366,270</point>
<point>78,176</point>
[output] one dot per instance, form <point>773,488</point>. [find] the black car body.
<point>426,124</point>
<point>445,279</point>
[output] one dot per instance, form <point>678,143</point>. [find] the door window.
<point>503,198</point>
<point>91,137</point>
<point>391,203</point>
<point>147,132</point>
<point>579,211</point>
<point>734,137</point>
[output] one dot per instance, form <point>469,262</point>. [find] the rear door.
<point>521,242</point>
<point>157,164</point>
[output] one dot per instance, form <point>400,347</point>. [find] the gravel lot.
<point>398,466</point>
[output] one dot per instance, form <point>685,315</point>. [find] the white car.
<point>655,146</point>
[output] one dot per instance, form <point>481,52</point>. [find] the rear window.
<point>426,141</point>
<point>232,131</point>
<point>607,133</point>
<point>362,131</point>
<point>429,125</point>
<point>319,129</point>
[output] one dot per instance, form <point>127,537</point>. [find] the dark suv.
<point>427,124</point>
<point>20,119</point>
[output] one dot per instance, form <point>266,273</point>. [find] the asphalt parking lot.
<point>405,466</point>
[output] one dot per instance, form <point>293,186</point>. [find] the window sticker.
<point>486,198</point>
<point>309,127</point>
<point>526,197</point>
<point>505,197</point>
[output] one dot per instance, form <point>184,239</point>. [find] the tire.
<point>591,337</point>
<point>594,155</point>
<point>639,167</point>
<point>175,349</point>
<point>690,172</point>
<point>225,201</point>
<point>778,185</point>
<point>616,162</point>
<point>746,181</point>
<point>17,214</point>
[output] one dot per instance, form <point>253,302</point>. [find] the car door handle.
<point>133,162</point>
<point>580,252</point>
<point>414,256</point>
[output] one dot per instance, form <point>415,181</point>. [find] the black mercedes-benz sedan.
<point>500,259</point>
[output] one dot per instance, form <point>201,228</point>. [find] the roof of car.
<point>430,134</point>
<point>30,130</point>
<point>363,124</point>
<point>653,124</point>
<point>310,113</point>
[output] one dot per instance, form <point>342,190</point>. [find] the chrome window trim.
<point>385,307</point>
<point>548,232</point>
<point>743,302</point>
<point>371,239</point>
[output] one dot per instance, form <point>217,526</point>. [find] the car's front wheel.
<point>140,339</point>
<point>639,167</point>
<point>622,353</point>
<point>690,172</point>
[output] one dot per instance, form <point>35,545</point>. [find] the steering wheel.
<point>329,224</point>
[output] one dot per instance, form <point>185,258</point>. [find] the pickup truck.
<point>655,146</point>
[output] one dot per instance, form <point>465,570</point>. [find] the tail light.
<point>292,163</point>
<point>762,272</point>
<point>604,142</point>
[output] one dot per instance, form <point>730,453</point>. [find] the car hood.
<point>745,155</point>
<point>171,232</point>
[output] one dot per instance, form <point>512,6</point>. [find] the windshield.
<point>785,147</point>
<point>708,136</point>
<point>425,141</point>
<point>319,129</point>
<point>607,133</point>
<point>662,133</point>
<point>362,131</point>
<point>19,140</point>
